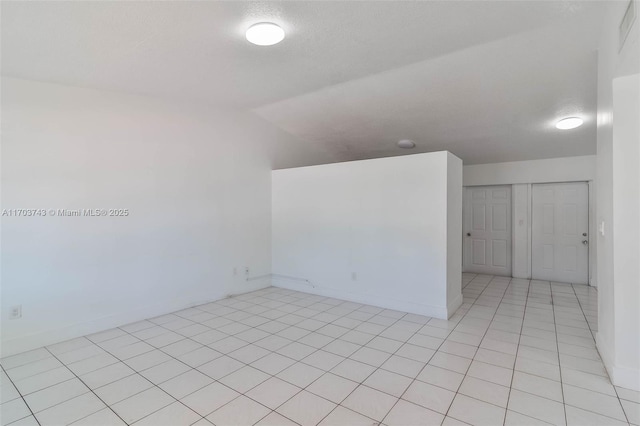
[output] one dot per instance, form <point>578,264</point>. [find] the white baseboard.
<point>52,336</point>
<point>628,378</point>
<point>382,302</point>
<point>454,305</point>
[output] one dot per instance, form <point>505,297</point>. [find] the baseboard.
<point>628,378</point>
<point>50,337</point>
<point>607,360</point>
<point>454,305</point>
<point>368,299</point>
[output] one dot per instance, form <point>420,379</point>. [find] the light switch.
<point>601,228</point>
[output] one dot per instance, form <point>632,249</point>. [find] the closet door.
<point>487,230</point>
<point>560,232</point>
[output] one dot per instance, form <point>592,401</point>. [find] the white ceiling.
<point>485,80</point>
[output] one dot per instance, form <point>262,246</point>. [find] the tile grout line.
<point>559,369</point>
<point>355,310</point>
<point>426,363</point>
<point>478,347</point>
<point>377,368</point>
<point>300,305</point>
<point>191,369</point>
<point>515,361</point>
<point>346,358</point>
<point>120,360</point>
<point>476,351</point>
<point>555,327</point>
<point>90,390</point>
<point>224,316</point>
<point>596,346</point>
<point>214,380</point>
<point>293,341</point>
<point>218,380</point>
<point>21,397</point>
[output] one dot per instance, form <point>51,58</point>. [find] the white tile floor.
<point>516,353</point>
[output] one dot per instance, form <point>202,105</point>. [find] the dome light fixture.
<point>569,123</point>
<point>265,34</point>
<point>406,144</point>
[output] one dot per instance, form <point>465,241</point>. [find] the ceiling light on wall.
<point>569,123</point>
<point>265,34</point>
<point>406,144</point>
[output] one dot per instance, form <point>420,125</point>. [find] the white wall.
<point>521,175</point>
<point>521,195</point>
<point>626,229</point>
<point>565,169</point>
<point>617,301</point>
<point>196,181</point>
<point>454,233</point>
<point>374,231</point>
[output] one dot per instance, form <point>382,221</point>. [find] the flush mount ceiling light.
<point>406,144</point>
<point>265,34</point>
<point>569,123</point>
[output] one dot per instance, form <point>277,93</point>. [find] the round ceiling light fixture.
<point>569,123</point>
<point>265,34</point>
<point>406,144</point>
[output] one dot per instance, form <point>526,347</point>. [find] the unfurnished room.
<point>333,213</point>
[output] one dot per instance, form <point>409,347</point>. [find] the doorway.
<point>560,232</point>
<point>487,230</point>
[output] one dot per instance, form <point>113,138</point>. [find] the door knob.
<point>584,234</point>
<point>585,242</point>
<point>468,234</point>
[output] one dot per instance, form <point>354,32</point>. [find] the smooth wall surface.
<point>626,230</point>
<point>521,175</point>
<point>454,233</point>
<point>614,293</point>
<point>196,183</point>
<point>373,231</point>
<point>565,169</point>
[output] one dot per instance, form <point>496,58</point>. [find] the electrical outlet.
<point>15,312</point>
<point>235,270</point>
<point>246,271</point>
<point>354,276</point>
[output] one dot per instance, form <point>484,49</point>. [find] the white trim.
<point>593,235</point>
<point>383,302</point>
<point>604,353</point>
<point>624,377</point>
<point>454,305</point>
<point>529,230</point>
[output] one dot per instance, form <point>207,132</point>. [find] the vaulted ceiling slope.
<point>485,80</point>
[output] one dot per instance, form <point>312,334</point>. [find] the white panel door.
<point>559,232</point>
<point>487,230</point>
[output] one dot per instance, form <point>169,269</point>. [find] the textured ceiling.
<point>485,80</point>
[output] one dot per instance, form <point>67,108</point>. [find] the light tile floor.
<point>517,352</point>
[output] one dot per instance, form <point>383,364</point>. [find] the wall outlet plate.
<point>15,312</point>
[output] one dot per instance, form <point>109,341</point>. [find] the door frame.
<point>590,224</point>
<point>465,206</point>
